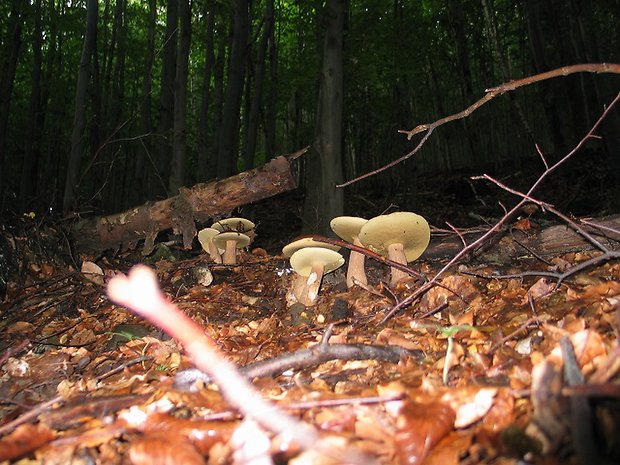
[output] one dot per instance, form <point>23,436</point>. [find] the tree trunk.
<point>251,134</point>
<point>270,114</point>
<point>218,106</point>
<point>229,130</point>
<point>116,187</point>
<point>81,100</point>
<point>325,201</point>
<point>166,102</point>
<point>177,173</point>
<point>203,129</point>
<point>146,123</point>
<point>7,75</point>
<point>32,148</point>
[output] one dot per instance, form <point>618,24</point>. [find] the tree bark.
<point>229,130</point>
<point>201,202</point>
<point>205,102</point>
<point>32,149</point>
<point>146,123</point>
<point>177,174</point>
<point>166,102</point>
<point>251,133</point>
<point>81,100</point>
<point>323,200</point>
<point>270,114</point>
<point>7,75</point>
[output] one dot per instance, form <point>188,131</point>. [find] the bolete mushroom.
<point>401,236</point>
<point>312,263</point>
<point>300,281</point>
<point>205,237</point>
<point>348,229</point>
<point>233,224</point>
<point>290,249</point>
<point>230,242</point>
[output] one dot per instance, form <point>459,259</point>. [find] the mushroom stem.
<point>355,272</point>
<point>312,285</point>
<point>214,253</point>
<point>230,253</point>
<point>396,253</point>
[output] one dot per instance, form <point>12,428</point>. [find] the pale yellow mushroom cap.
<point>241,239</point>
<point>406,228</point>
<point>304,259</point>
<point>294,246</point>
<point>233,224</point>
<point>347,227</point>
<point>204,235</point>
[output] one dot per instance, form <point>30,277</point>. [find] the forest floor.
<point>480,369</point>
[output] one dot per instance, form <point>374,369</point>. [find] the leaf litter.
<point>478,370</point>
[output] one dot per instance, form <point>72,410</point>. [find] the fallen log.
<point>506,245</point>
<point>198,203</point>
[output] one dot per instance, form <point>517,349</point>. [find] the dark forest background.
<point>107,104</point>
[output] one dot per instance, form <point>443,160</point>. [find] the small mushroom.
<point>294,246</point>
<point>401,236</point>
<point>348,228</point>
<point>312,263</point>
<point>230,242</point>
<point>289,249</point>
<point>234,224</point>
<point>205,237</point>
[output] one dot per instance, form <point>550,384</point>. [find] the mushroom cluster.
<point>224,237</point>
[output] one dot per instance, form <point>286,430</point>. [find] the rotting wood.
<point>198,203</point>
<point>547,242</point>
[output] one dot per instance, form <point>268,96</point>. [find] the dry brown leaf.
<point>470,404</point>
<point>25,439</point>
<point>539,289</point>
<point>419,427</point>
<point>450,449</point>
<point>164,449</point>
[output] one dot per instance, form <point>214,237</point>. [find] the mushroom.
<point>402,236</point>
<point>289,249</point>
<point>205,237</point>
<point>294,246</point>
<point>233,224</point>
<point>312,263</point>
<point>348,228</point>
<point>230,242</point>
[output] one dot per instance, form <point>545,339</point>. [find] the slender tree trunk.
<point>81,100</point>
<point>47,181</point>
<point>8,66</point>
<point>146,121</point>
<point>270,114</point>
<point>166,103</point>
<point>177,173</point>
<point>251,134</point>
<point>203,130</point>
<point>32,149</point>
<point>229,130</point>
<point>218,108</point>
<point>325,200</point>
